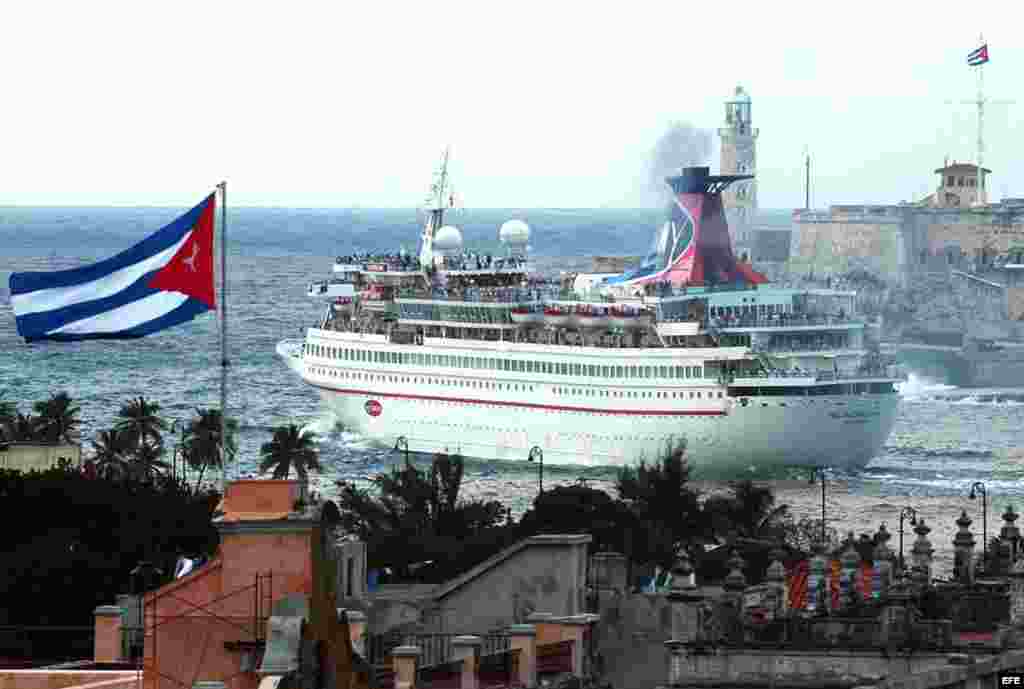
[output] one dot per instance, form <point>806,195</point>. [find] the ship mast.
<point>438,190</point>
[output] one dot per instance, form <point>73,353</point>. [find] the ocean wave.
<point>937,453</point>
<point>919,387</point>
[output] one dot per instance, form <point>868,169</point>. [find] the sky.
<point>544,104</point>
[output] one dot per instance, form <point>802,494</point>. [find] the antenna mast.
<point>440,188</point>
<point>807,179</point>
<point>981,122</point>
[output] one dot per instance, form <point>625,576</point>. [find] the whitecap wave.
<point>917,387</point>
<point>327,424</point>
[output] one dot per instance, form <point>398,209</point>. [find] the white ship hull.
<point>722,434</point>
<point>804,432</point>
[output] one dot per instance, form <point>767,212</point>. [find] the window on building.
<point>950,181</point>
<point>960,181</point>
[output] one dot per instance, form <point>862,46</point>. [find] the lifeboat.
<point>524,315</point>
<point>629,319</point>
<point>344,306</point>
<point>591,317</point>
<point>555,316</point>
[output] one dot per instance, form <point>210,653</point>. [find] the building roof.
<point>259,499</point>
<point>962,167</point>
<point>740,96</point>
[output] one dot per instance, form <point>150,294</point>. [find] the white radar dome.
<point>514,233</point>
<point>448,238</point>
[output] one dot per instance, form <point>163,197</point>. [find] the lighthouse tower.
<point>739,157</point>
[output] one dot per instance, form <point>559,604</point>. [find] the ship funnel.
<point>708,255</point>
<point>693,246</point>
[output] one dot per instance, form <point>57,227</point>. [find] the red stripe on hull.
<point>528,405</point>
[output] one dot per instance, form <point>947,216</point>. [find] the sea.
<point>945,439</point>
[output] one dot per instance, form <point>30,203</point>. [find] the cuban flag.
<point>978,57</point>
<point>163,281</point>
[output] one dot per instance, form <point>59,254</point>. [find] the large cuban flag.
<point>164,280</point>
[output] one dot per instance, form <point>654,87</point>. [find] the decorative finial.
<point>735,580</point>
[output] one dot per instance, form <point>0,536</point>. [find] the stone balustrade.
<point>520,666</point>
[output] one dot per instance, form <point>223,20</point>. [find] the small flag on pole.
<point>978,57</point>
<point>163,281</point>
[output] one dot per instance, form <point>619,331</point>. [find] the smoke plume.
<point>681,145</point>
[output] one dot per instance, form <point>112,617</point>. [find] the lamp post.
<point>979,487</point>
<point>819,472</point>
<point>177,426</point>
<point>904,513</point>
<point>537,454</point>
<point>403,443</point>
<point>143,577</point>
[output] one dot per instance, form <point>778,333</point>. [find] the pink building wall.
<point>198,614</point>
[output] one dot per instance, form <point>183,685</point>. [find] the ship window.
<point>578,368</point>
<point>545,367</point>
<point>661,372</point>
<point>620,371</point>
<point>698,372</point>
<point>605,372</point>
<point>591,370</point>
<point>529,367</point>
<point>565,369</point>
<point>647,372</point>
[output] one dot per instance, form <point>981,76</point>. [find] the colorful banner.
<point>797,585</point>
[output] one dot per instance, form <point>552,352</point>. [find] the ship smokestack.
<point>698,202</point>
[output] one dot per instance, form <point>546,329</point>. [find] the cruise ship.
<point>449,351</point>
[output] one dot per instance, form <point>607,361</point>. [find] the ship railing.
<point>783,347</point>
<point>781,322</point>
<point>493,295</point>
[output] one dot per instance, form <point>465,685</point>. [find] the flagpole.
<point>223,186</point>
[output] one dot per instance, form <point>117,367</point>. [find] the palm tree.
<point>109,447</point>
<point>290,447</point>
<point>141,423</point>
<point>18,427</point>
<point>750,512</point>
<point>201,444</point>
<point>58,418</point>
<point>146,462</point>
<point>8,412</point>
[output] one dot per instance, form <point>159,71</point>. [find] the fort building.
<point>954,228</point>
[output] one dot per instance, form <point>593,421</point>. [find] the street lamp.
<point>404,443</point>
<point>176,426</point>
<point>904,513</point>
<point>977,487</point>
<point>819,472</point>
<point>538,454</point>
<point>143,577</point>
